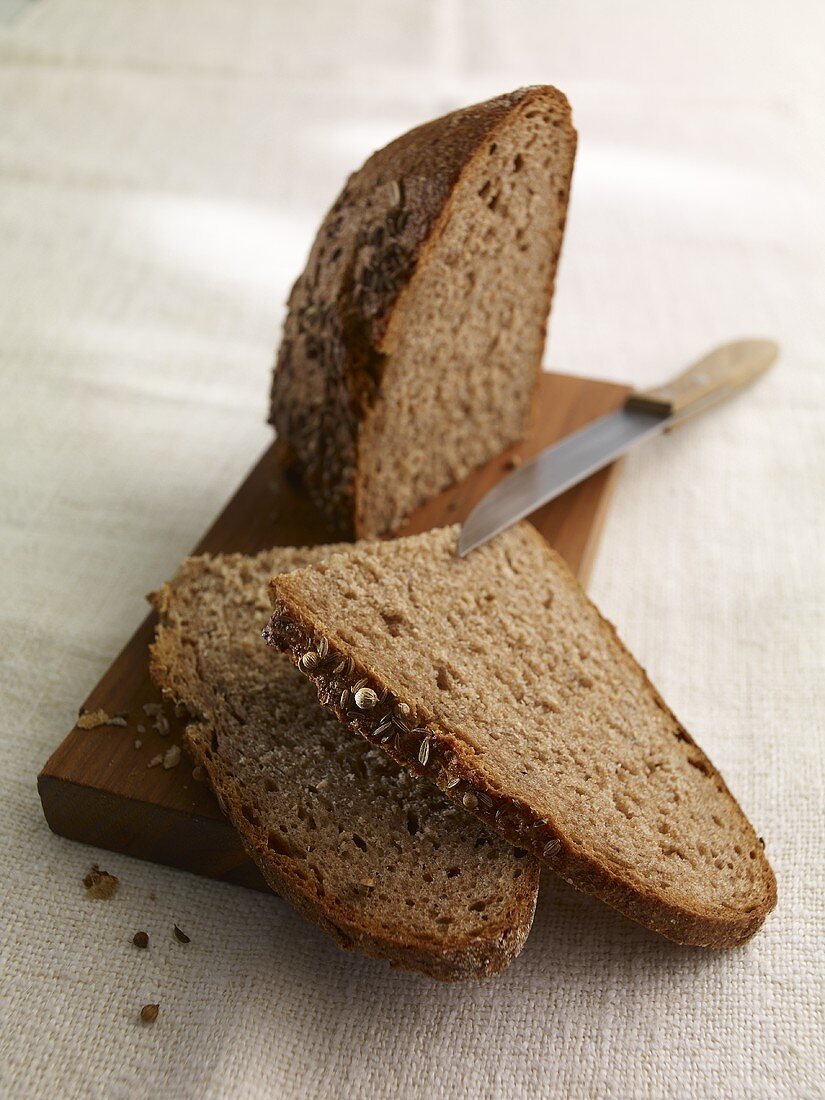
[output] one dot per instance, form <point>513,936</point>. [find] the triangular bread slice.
<point>380,860</point>
<point>521,703</point>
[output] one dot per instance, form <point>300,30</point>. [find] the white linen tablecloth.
<point>162,168</point>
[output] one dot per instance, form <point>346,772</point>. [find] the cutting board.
<point>100,785</point>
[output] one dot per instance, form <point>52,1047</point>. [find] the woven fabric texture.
<point>162,169</point>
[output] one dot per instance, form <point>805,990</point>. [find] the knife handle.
<point>712,379</point>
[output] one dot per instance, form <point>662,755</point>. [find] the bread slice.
<point>521,703</point>
<point>377,858</point>
<point>414,336</point>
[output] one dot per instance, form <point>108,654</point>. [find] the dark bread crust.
<point>331,360</point>
<point>449,762</point>
<point>446,956</point>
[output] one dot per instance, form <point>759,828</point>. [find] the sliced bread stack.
<point>496,679</point>
<point>376,857</point>
<point>414,336</point>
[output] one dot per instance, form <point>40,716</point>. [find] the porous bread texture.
<point>377,858</point>
<point>414,338</point>
<point>527,710</point>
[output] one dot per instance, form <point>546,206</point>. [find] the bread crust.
<point>449,763</point>
<point>447,959</point>
<point>330,364</point>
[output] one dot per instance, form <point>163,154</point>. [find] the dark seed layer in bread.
<point>525,708</point>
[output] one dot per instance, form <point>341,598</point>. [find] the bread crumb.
<point>90,720</point>
<point>171,757</point>
<point>138,743</point>
<point>141,729</point>
<point>153,763</point>
<point>100,885</point>
<point>198,774</point>
<point>513,462</point>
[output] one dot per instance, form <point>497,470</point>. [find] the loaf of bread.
<point>414,336</point>
<point>521,703</point>
<point>380,860</point>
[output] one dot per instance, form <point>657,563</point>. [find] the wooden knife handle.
<point>717,376</point>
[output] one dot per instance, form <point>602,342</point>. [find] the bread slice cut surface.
<point>377,858</point>
<point>521,703</point>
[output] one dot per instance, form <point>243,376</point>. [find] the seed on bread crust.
<point>396,194</point>
<point>365,698</point>
<point>308,663</point>
<point>383,726</point>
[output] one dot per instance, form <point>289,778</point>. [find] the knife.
<point>719,375</point>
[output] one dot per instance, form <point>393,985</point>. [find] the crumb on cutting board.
<point>161,723</point>
<point>90,720</point>
<point>171,758</point>
<point>100,885</point>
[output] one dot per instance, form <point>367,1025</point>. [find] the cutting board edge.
<point>56,793</point>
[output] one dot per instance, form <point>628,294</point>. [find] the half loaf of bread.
<point>414,337</point>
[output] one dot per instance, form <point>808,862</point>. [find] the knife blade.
<point>716,376</point>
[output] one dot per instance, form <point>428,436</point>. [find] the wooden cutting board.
<point>98,787</point>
